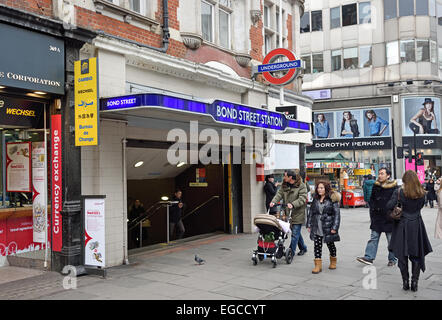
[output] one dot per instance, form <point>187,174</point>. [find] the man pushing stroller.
<point>294,194</point>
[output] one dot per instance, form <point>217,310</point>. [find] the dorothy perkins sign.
<point>31,60</point>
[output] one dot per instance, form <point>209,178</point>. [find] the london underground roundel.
<point>268,65</point>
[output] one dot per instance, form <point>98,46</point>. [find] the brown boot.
<point>333,261</point>
<point>318,266</point>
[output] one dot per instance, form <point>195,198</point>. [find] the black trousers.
<point>180,229</point>
<point>415,268</point>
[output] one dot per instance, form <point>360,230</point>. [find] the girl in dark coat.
<point>409,239</point>
<point>431,194</point>
<point>270,189</point>
<point>323,222</point>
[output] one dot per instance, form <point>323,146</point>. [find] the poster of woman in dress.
<point>421,116</point>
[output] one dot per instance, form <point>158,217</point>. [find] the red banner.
<point>56,174</point>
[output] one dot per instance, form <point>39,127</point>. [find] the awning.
<point>159,106</point>
<point>330,156</point>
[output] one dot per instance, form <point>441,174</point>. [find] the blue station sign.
<point>220,111</point>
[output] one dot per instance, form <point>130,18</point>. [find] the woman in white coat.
<point>438,189</point>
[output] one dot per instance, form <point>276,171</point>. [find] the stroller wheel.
<point>260,257</point>
<point>274,262</point>
<point>289,256</point>
<point>255,261</point>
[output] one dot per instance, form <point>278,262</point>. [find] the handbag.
<point>397,211</point>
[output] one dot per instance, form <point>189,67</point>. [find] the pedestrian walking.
<point>431,194</point>
<point>409,238</point>
<point>381,222</point>
<point>175,215</point>
<point>438,190</point>
<point>135,211</point>
<point>294,194</point>
<point>323,223</point>
<point>367,187</point>
<point>270,189</point>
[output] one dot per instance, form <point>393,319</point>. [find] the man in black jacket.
<point>175,214</point>
<point>381,221</point>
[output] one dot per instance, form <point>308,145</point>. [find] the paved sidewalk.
<point>228,273</point>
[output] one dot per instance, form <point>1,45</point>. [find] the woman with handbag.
<point>323,222</point>
<point>409,238</point>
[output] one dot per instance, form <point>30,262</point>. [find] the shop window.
<point>318,62</point>
<point>349,15</point>
<point>406,7</point>
<point>365,56</point>
<point>390,9</point>
<point>392,50</point>
<point>364,12</point>
<point>421,7</point>
<point>350,58</point>
<point>335,17</point>
<point>305,22</point>
<point>224,29</point>
<point>336,60</point>
<point>407,50</point>
<point>207,21</point>
<point>317,20</point>
<point>422,50</point>
<point>308,63</point>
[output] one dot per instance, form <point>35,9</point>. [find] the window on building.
<point>390,9</point>
<point>317,20</point>
<point>224,29</point>
<point>305,22</point>
<point>439,13</point>
<point>364,12</point>
<point>422,7</point>
<point>207,21</point>
<point>267,43</point>
<point>335,17</point>
<point>336,60</point>
<point>407,50</point>
<point>318,62</point>
<point>392,50</point>
<point>349,15</point>
<point>433,51</point>
<point>432,8</point>
<point>308,63</point>
<point>365,56</point>
<point>266,17</point>
<point>277,20</point>
<point>225,3</point>
<point>422,50</point>
<point>138,6</point>
<point>350,58</point>
<point>440,58</point>
<point>406,7</point>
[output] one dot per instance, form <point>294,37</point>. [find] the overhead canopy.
<point>330,156</point>
<point>215,112</point>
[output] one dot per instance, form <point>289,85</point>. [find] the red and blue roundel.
<point>293,65</point>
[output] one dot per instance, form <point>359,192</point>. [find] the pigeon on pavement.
<point>199,260</point>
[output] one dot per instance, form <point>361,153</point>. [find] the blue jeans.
<point>297,238</point>
<point>372,246</point>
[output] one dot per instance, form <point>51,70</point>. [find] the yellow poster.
<point>86,102</point>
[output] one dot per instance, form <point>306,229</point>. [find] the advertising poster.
<point>421,114</point>
<point>420,169</point>
<point>349,124</point>
<point>324,124</point>
<point>86,102</point>
<point>38,191</point>
<point>377,122</point>
<point>18,167</point>
<point>94,232</point>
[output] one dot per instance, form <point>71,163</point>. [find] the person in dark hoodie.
<point>381,221</point>
<point>270,189</point>
<point>175,215</point>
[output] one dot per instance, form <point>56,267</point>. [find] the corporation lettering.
<point>30,79</point>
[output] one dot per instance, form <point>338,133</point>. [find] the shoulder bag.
<point>397,211</point>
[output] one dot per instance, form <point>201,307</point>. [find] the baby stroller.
<point>270,240</point>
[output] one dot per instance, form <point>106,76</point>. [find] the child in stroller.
<point>272,234</point>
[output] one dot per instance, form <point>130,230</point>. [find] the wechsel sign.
<point>86,103</point>
<point>30,60</point>
<point>220,111</point>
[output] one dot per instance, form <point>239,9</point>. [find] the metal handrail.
<point>200,206</point>
<point>157,206</point>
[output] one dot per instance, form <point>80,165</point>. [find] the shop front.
<point>31,83</point>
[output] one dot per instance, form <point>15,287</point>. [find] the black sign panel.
<point>424,142</point>
<point>30,60</point>
<point>348,144</point>
<point>21,113</point>
<point>289,111</point>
